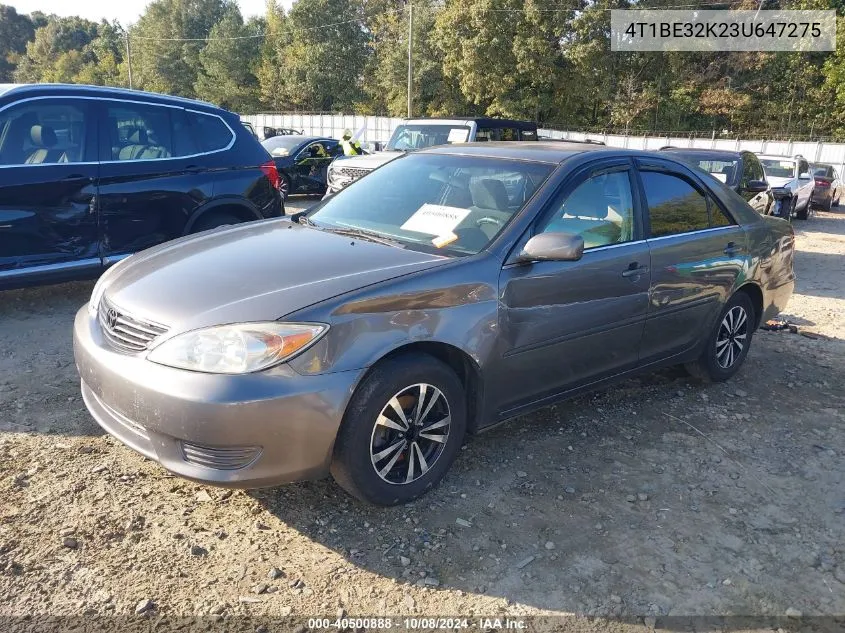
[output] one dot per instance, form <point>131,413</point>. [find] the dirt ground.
<point>658,497</point>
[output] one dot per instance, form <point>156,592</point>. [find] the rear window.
<point>211,131</point>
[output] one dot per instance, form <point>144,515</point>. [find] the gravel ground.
<point>656,497</point>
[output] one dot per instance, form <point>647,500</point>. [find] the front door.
<point>565,324</point>
<point>697,254</point>
<point>48,187</point>
<point>311,166</point>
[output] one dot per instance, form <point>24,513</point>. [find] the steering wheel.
<point>488,220</point>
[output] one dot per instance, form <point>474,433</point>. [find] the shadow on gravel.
<point>654,497</point>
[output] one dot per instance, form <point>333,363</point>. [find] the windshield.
<point>452,205</point>
<point>778,168</point>
<point>282,145</point>
<point>418,136</point>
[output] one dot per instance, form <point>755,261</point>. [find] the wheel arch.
<point>241,207</point>
<point>756,295</point>
<point>464,366</point>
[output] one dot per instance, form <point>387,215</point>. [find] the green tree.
<point>271,70</point>
<point>15,31</point>
<point>324,55</point>
<point>229,62</point>
<point>167,40</point>
<point>73,50</point>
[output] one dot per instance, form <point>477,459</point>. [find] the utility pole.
<point>129,59</point>
<point>410,57</point>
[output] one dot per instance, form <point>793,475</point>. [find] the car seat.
<point>43,138</point>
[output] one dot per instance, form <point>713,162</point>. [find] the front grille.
<point>230,458</point>
<point>126,333</point>
<point>353,172</point>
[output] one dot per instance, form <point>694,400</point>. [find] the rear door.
<point>565,324</point>
<point>48,176</point>
<point>697,254</point>
<point>153,175</point>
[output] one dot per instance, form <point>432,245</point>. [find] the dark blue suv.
<point>91,175</point>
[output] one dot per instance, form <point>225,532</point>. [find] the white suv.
<point>791,176</point>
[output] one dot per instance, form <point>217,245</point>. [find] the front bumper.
<point>246,431</point>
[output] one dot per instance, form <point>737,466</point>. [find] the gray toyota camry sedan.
<point>446,291</point>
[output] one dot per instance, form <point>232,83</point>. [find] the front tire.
<point>401,432</point>
<point>728,343</point>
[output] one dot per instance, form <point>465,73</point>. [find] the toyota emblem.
<point>111,318</point>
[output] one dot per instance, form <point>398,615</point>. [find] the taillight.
<point>822,182</point>
<point>269,169</point>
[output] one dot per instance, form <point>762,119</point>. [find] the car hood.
<point>775,181</point>
<point>368,161</point>
<point>259,271</point>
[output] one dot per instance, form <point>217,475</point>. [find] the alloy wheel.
<point>732,337</point>
<point>284,187</point>
<point>410,434</point>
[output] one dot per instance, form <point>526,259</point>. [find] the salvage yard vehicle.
<point>417,134</point>
<point>90,175</point>
<point>828,186</point>
<point>434,304</point>
<point>302,162</point>
<point>739,170</point>
<point>791,181</point>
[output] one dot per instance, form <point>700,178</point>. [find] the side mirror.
<point>756,186</point>
<point>553,247</point>
<point>804,176</point>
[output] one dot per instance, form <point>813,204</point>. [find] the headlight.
<point>239,348</point>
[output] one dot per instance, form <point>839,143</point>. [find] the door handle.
<point>634,270</point>
<point>193,169</point>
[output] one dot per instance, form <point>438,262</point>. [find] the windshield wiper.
<point>302,218</point>
<point>372,236</point>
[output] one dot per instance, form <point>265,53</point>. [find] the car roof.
<point>487,121</point>
<point>539,151</point>
<point>82,90</point>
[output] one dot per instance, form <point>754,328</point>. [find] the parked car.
<point>433,304</point>
<point>90,175</point>
<point>249,128</point>
<point>828,186</point>
<point>416,134</point>
<point>270,132</point>
<point>302,162</point>
<point>741,171</point>
<point>790,177</point>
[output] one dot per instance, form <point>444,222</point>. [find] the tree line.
<point>542,60</point>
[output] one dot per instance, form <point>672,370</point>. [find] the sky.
<point>124,11</point>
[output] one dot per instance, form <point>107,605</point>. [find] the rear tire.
<point>728,344</point>
<point>386,457</point>
<point>214,219</point>
<point>284,185</point>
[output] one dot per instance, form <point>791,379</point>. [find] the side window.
<point>674,205</point>
<point>139,132</point>
<point>803,167</point>
<point>44,131</point>
<point>211,132</point>
<point>184,143</point>
<point>600,210</point>
<point>718,217</point>
<point>496,134</point>
<point>528,135</point>
<point>747,172</point>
